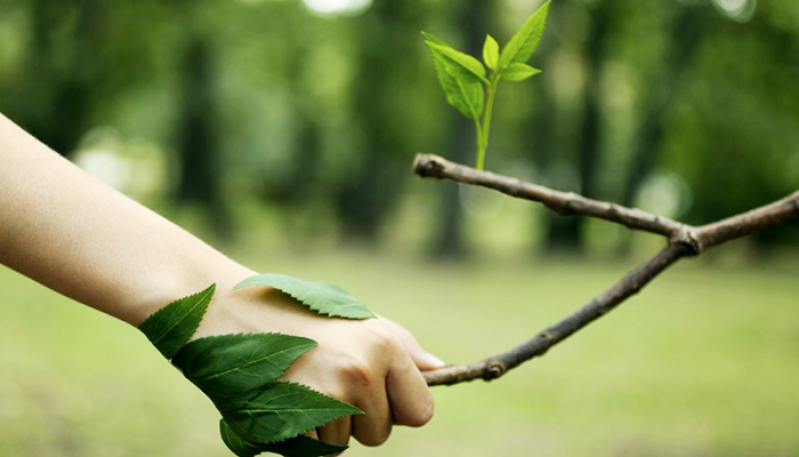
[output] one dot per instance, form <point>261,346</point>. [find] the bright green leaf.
<point>295,447</point>
<point>523,44</point>
<point>285,410</point>
<point>461,63</point>
<point>463,90</point>
<point>519,72</point>
<point>491,52</point>
<point>171,327</point>
<point>228,366</point>
<point>322,298</point>
<point>430,38</point>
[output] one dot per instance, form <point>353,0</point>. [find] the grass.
<point>701,363</point>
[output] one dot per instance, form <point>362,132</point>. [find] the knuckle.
<point>357,371</point>
<point>376,439</point>
<point>422,415</point>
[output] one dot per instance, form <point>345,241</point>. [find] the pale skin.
<point>80,237</point>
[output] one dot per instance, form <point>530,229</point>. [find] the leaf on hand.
<point>463,89</point>
<point>170,327</point>
<point>322,298</point>
<point>491,52</point>
<point>519,72</point>
<point>285,410</point>
<point>228,366</point>
<point>300,446</point>
<point>523,44</point>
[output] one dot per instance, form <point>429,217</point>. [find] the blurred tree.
<point>53,97</point>
<point>197,136</point>
<point>385,53</point>
<point>687,25</point>
<point>566,234</point>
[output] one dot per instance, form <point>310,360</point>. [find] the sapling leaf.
<point>322,298</point>
<point>285,410</point>
<point>170,327</point>
<point>227,367</point>
<point>519,72</point>
<point>300,446</point>
<point>491,52</point>
<point>463,89</point>
<point>463,65</point>
<point>523,44</point>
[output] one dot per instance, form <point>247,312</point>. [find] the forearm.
<point>78,236</point>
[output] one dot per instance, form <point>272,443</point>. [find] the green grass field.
<point>702,363</point>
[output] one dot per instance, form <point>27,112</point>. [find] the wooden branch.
<point>563,203</point>
<point>684,240</point>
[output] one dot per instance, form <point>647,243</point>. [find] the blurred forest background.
<point>283,131</point>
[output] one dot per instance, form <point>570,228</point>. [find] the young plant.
<point>471,89</point>
<point>240,372</point>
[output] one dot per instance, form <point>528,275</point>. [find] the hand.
<point>372,364</point>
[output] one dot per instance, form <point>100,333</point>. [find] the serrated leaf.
<point>491,52</point>
<point>285,410</point>
<point>300,446</point>
<point>465,65</point>
<point>430,38</point>
<point>463,90</point>
<point>519,72</point>
<point>523,44</point>
<point>322,298</point>
<point>228,366</point>
<point>170,327</point>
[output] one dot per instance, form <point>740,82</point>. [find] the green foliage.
<point>463,91</point>
<point>326,299</point>
<point>300,446</point>
<point>227,367</point>
<point>519,72</point>
<point>285,410</point>
<point>521,47</point>
<point>240,372</point>
<point>464,79</point>
<point>170,327</point>
<point>491,52</point>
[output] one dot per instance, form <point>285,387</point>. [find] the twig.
<point>684,240</point>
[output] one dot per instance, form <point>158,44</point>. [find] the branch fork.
<point>683,241</point>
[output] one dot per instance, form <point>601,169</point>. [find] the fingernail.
<point>433,361</point>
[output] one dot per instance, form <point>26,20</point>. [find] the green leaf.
<point>170,327</point>
<point>463,89</point>
<point>464,64</point>
<point>300,446</point>
<point>322,298</point>
<point>228,366</point>
<point>519,72</point>
<point>430,38</point>
<point>491,52</point>
<point>285,410</point>
<point>523,44</point>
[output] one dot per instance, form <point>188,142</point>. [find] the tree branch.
<point>684,240</point>
<point>563,203</point>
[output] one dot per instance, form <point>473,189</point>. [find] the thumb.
<point>423,359</point>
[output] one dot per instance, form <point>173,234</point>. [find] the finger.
<point>337,432</point>
<point>410,398</point>
<point>373,427</point>
<point>423,359</point>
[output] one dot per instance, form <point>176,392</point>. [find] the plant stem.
<point>482,133</point>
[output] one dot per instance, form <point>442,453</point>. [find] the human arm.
<point>76,235</point>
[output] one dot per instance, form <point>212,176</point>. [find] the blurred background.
<point>283,131</point>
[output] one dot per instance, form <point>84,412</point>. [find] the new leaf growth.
<point>467,85</point>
